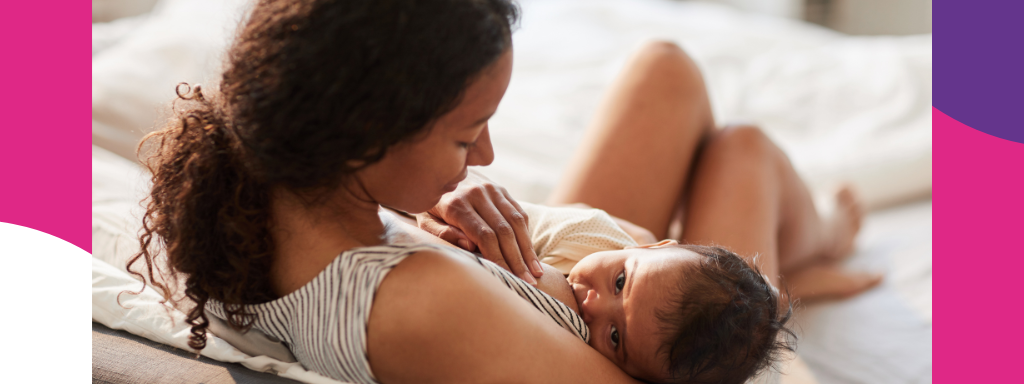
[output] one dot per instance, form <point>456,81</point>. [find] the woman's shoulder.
<point>375,264</point>
<point>325,321</point>
<point>436,269</point>
<point>405,249</point>
<point>433,305</point>
<point>345,274</point>
<point>388,256</point>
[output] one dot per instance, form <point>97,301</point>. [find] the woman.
<point>326,112</point>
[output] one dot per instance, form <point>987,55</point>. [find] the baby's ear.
<point>656,245</point>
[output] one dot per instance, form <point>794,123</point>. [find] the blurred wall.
<point>107,10</point>
<point>856,17</point>
<point>881,17</point>
<point>784,8</point>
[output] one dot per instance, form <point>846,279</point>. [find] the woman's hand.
<point>480,214</point>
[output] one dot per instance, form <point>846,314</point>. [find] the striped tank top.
<point>324,322</point>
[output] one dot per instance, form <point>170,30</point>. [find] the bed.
<point>845,108</point>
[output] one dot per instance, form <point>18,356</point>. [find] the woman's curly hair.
<point>313,90</point>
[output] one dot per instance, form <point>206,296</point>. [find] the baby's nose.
<point>591,306</point>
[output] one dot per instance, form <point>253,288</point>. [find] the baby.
<point>662,312</point>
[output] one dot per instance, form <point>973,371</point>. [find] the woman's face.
<point>413,175</point>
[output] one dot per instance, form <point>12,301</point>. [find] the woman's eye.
<point>620,282</point>
<point>615,337</point>
<point>464,144</point>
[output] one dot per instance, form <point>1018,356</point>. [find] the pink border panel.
<point>979,266</point>
<point>45,162</point>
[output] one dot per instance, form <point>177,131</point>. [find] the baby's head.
<point>679,313</point>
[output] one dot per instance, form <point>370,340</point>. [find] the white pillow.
<point>118,186</point>
<point>134,80</point>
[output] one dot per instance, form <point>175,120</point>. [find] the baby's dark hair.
<point>724,324</point>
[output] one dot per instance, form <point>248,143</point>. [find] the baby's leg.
<point>635,157</point>
<point>746,196</point>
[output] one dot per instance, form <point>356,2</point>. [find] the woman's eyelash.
<point>620,282</point>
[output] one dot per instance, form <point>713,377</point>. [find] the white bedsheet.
<point>885,334</point>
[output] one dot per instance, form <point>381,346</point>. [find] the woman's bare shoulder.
<point>438,317</point>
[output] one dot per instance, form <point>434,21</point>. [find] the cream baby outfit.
<point>562,236</point>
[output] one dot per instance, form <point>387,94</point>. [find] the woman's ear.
<point>657,245</point>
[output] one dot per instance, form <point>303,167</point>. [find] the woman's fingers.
<point>521,225</point>
<point>490,248</point>
<point>499,236</point>
<point>435,226</point>
<point>489,218</point>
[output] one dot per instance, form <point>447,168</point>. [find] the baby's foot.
<point>828,281</point>
<point>843,225</point>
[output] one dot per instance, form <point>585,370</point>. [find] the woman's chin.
<point>415,207</point>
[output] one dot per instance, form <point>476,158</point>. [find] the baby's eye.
<point>615,337</point>
<point>620,282</point>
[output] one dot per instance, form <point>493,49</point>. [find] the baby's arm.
<point>639,234</point>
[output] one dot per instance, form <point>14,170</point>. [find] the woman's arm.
<point>440,319</point>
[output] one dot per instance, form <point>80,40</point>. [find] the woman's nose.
<point>481,153</point>
<point>592,306</point>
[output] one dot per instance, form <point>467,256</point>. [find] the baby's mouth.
<point>579,293</point>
